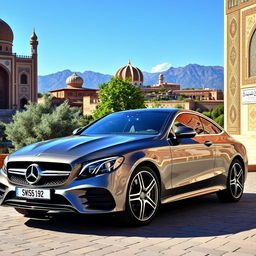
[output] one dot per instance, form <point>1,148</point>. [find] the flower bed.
<point>2,157</point>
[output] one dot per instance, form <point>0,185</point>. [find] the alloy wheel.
<point>236,180</point>
<point>143,195</point>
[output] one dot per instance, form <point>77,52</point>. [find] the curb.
<point>252,168</point>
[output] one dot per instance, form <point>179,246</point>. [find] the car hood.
<point>71,148</point>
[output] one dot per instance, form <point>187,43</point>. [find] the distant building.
<point>174,90</point>
<point>75,94</point>
<point>18,74</point>
<point>168,86</point>
<point>201,94</point>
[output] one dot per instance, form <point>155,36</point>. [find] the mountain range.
<point>191,76</point>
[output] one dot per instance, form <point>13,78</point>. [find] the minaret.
<point>161,79</point>
<point>33,46</point>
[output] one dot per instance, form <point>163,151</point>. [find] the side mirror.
<point>76,131</point>
<point>184,132</point>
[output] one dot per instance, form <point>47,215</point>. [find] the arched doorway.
<point>23,102</point>
<point>4,89</point>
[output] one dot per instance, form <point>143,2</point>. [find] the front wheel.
<point>143,196</point>
<point>235,184</point>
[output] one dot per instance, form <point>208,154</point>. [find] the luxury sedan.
<point>128,162</point>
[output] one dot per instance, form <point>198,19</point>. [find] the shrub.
<point>42,121</point>
<point>179,106</point>
<point>220,120</point>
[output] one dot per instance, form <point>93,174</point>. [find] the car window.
<point>134,122</point>
<point>209,127</point>
<point>188,120</point>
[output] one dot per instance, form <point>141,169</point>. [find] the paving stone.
<point>196,227</point>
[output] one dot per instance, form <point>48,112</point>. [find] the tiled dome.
<point>6,33</point>
<point>74,81</point>
<point>131,73</point>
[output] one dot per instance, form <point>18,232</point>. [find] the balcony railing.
<point>16,55</point>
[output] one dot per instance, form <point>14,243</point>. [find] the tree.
<point>217,114</point>
<point>217,111</point>
<point>42,121</point>
<point>180,106</point>
<point>220,120</point>
<point>117,95</point>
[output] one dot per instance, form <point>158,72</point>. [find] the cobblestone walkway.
<point>200,226</point>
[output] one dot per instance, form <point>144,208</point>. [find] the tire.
<point>235,184</point>
<point>142,197</point>
<point>31,213</point>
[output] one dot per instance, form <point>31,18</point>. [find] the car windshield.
<point>135,122</point>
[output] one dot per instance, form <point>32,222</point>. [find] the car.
<point>127,162</point>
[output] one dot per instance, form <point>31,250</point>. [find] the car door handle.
<point>208,143</point>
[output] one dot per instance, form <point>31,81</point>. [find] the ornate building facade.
<point>240,73</point>
<point>18,74</point>
<point>240,67</point>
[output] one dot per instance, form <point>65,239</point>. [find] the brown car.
<point>128,162</point>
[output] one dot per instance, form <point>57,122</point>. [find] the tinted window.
<point>189,120</point>
<point>147,122</point>
<point>209,127</point>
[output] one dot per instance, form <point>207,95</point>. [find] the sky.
<point>102,35</point>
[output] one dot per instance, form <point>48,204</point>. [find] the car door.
<point>192,158</point>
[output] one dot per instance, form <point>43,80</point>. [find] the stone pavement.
<point>199,226</point>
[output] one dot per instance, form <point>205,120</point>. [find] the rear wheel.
<point>31,213</point>
<point>235,184</point>
<point>143,196</point>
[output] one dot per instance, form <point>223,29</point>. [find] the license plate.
<point>32,193</point>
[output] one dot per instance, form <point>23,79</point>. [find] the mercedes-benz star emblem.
<point>33,174</point>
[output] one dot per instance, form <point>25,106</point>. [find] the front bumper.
<point>100,194</point>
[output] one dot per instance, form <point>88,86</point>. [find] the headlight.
<point>101,166</point>
<point>4,167</point>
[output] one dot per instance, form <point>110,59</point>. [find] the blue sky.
<point>102,35</point>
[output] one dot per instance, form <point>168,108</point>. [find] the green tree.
<point>117,95</point>
<point>217,111</point>
<point>42,121</point>
<point>179,106</point>
<point>207,114</point>
<point>220,120</point>
<point>217,114</point>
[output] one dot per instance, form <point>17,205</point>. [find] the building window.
<point>232,3</point>
<point>6,48</point>
<point>243,1</point>
<point>70,94</point>
<point>23,79</point>
<point>1,48</point>
<point>252,54</point>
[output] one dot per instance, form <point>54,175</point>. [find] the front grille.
<point>98,199</point>
<point>52,174</point>
<point>57,202</point>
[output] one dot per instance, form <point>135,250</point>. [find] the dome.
<point>6,33</point>
<point>74,81</point>
<point>131,73</point>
